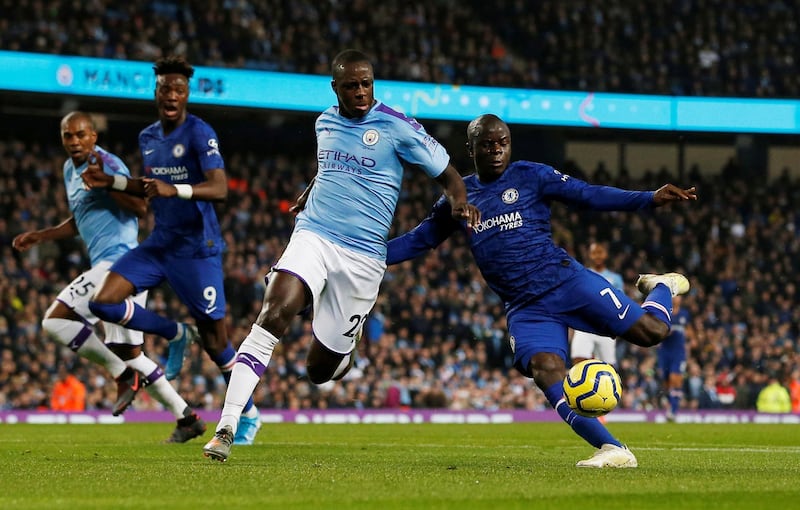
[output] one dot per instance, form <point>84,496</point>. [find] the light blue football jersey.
<point>360,172</point>
<point>107,229</point>
<point>613,278</point>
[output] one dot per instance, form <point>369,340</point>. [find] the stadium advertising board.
<point>79,76</point>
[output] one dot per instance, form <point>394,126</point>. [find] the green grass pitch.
<point>425,466</point>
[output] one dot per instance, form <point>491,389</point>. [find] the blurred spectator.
<point>726,393</point>
<point>709,398</point>
<point>69,394</point>
<point>774,398</point>
<point>794,391</point>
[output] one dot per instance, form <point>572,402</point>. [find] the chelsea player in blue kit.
<point>335,259</point>
<point>672,358</point>
<point>185,175</point>
<point>546,291</point>
<point>108,223</point>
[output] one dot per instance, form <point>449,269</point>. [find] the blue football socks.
<point>590,429</point>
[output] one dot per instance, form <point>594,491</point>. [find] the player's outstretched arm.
<point>63,230</point>
<point>671,193</point>
<point>456,194</point>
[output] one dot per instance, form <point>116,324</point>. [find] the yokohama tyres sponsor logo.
<point>503,222</point>
<point>175,173</point>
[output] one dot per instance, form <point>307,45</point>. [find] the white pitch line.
<point>765,449</point>
<point>676,448</point>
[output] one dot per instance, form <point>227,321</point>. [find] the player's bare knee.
<point>126,352</point>
<point>647,332</point>
<point>547,369</point>
<point>321,363</point>
<point>318,374</point>
<point>656,330</point>
<point>275,318</point>
<point>318,378</point>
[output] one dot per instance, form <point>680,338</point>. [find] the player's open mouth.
<point>170,110</point>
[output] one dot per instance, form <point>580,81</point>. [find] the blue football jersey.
<point>359,175</point>
<point>182,157</point>
<point>513,245</point>
<point>106,228</point>
<point>675,343</point>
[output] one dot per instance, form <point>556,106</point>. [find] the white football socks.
<point>257,347</point>
<point>66,331</point>
<point>160,388</point>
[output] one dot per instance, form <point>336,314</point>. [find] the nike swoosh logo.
<point>624,312</point>
<point>211,309</point>
<point>149,151</point>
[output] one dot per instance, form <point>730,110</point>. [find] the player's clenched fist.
<point>467,212</point>
<point>93,176</point>
<point>26,240</point>
<point>156,188</point>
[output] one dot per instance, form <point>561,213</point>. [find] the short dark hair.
<point>475,127</point>
<point>173,64</point>
<point>78,115</point>
<point>348,57</point>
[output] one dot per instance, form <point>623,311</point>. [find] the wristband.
<point>185,191</point>
<point>120,182</point>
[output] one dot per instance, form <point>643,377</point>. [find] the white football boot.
<point>610,456</point>
<point>676,282</point>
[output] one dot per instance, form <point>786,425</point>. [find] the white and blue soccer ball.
<point>592,388</point>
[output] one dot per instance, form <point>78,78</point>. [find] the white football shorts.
<point>590,345</point>
<point>344,286</point>
<point>77,294</point>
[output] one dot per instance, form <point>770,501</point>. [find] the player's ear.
<point>469,148</point>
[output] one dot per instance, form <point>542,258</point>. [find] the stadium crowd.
<point>436,338</point>
<point>686,47</point>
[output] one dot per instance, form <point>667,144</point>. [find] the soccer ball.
<point>592,388</point>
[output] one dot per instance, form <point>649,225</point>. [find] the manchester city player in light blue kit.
<point>108,223</point>
<point>546,291</point>
<point>185,175</point>
<point>335,259</point>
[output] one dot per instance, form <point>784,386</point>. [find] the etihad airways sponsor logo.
<point>503,222</point>
<point>175,173</point>
<point>343,161</point>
